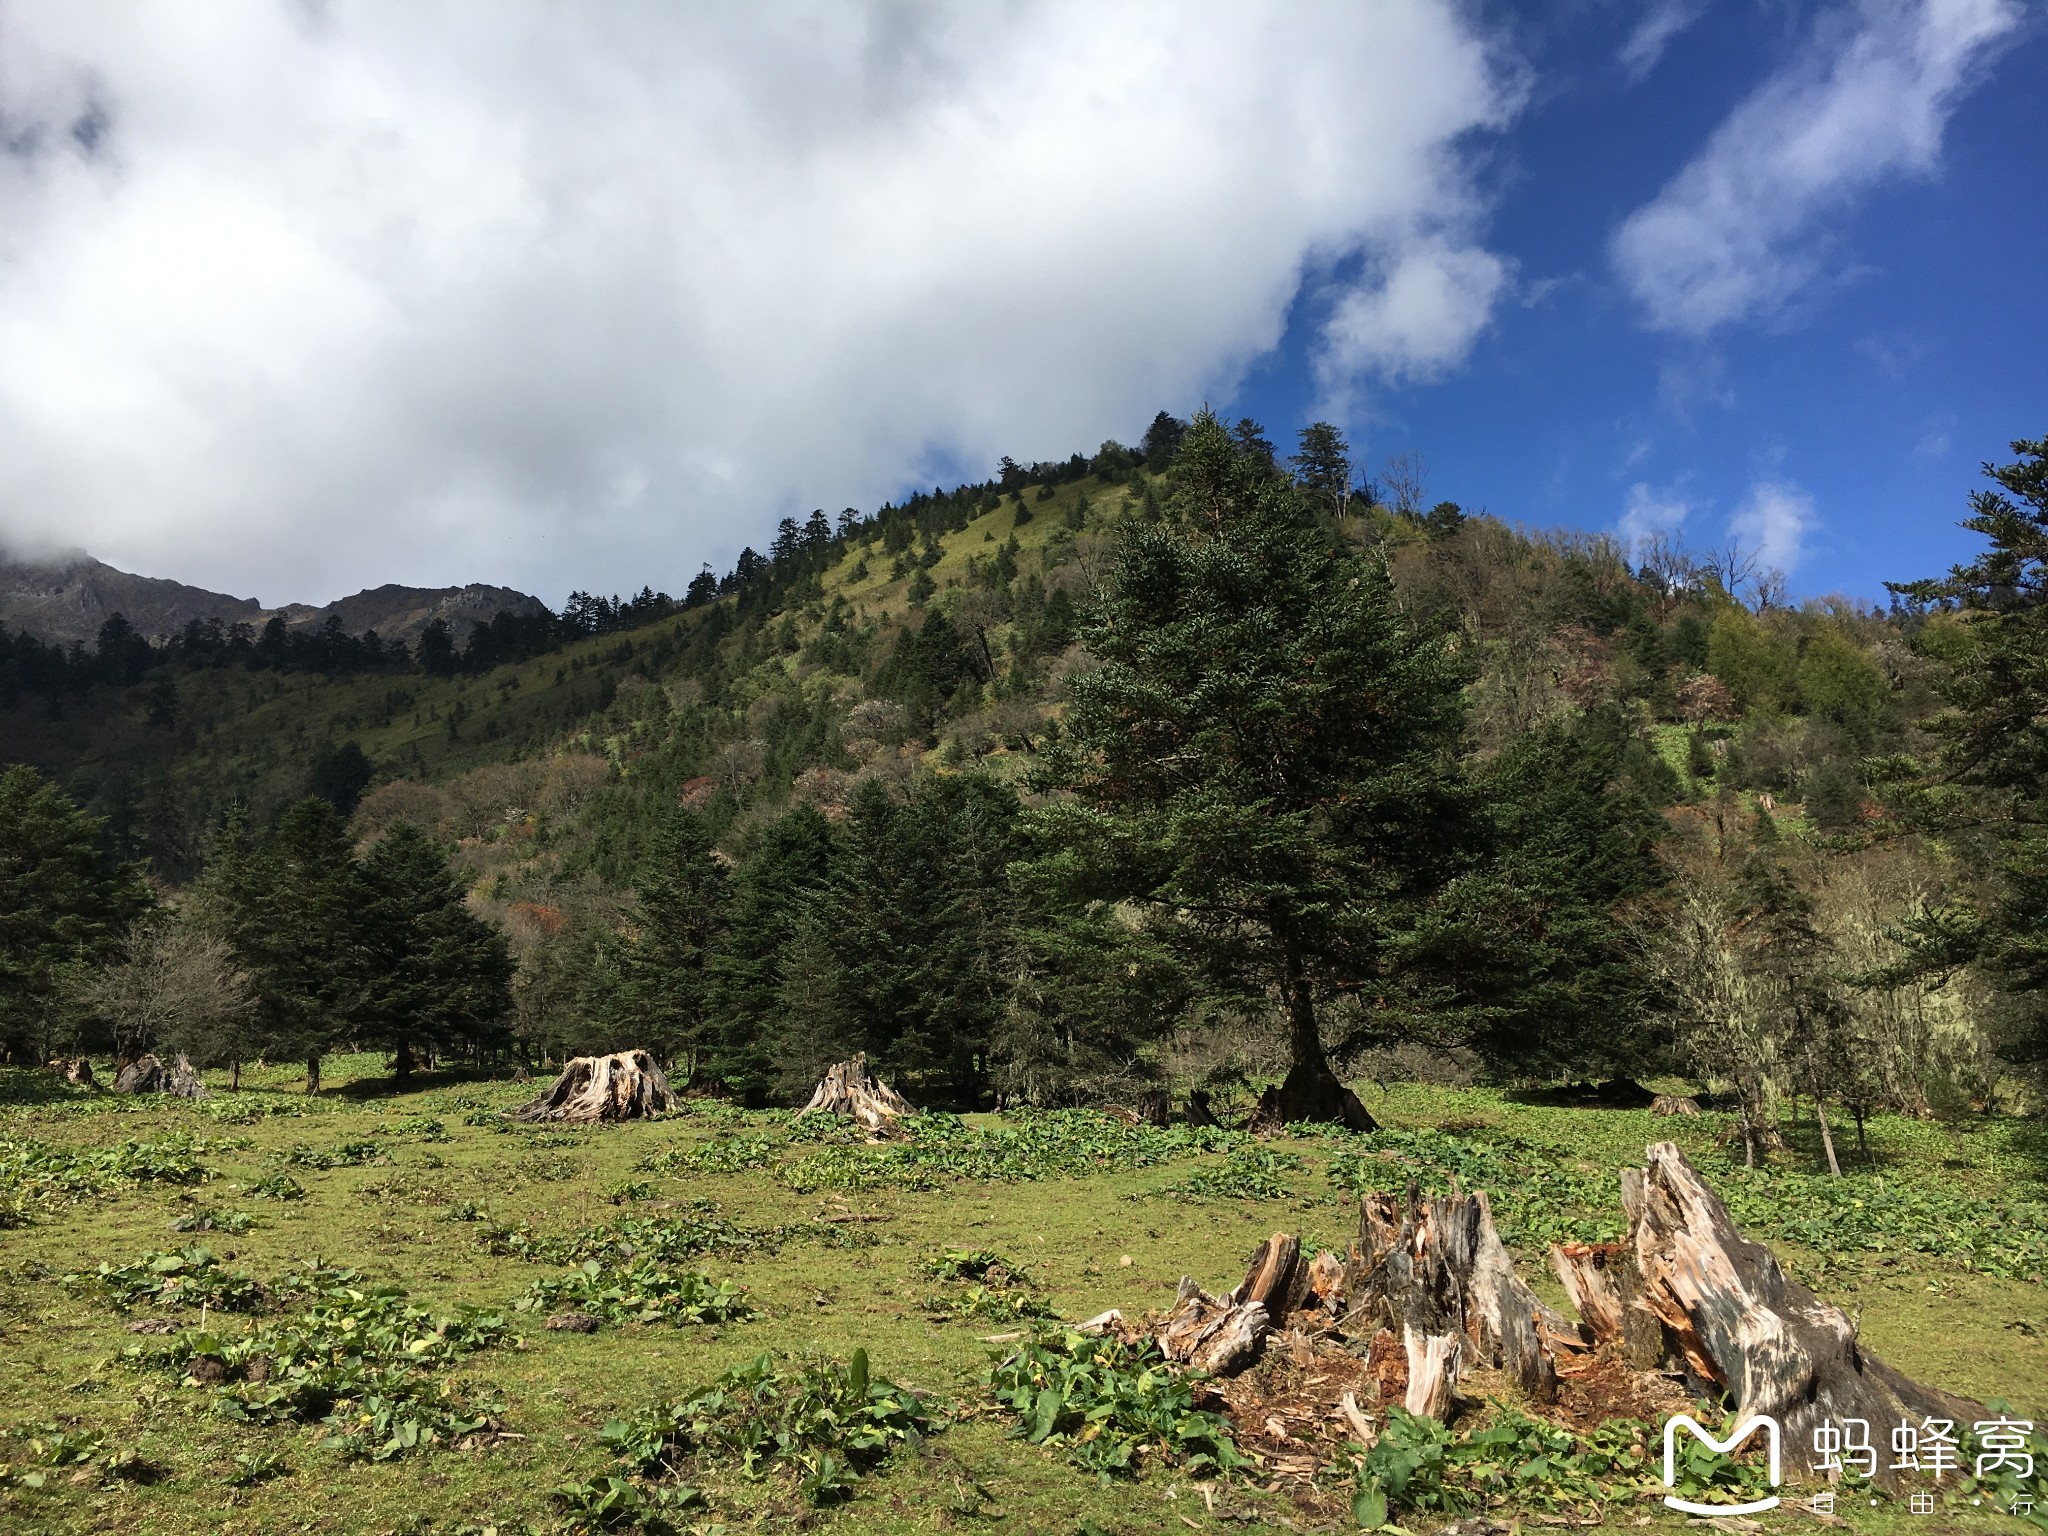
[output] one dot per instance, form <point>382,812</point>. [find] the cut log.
<point>1433,1360</point>
<point>1740,1323</point>
<point>1217,1335</point>
<point>146,1074</point>
<point>852,1092</point>
<point>624,1086</point>
<point>1435,1265</point>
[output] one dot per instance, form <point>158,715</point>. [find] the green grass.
<point>719,1237</point>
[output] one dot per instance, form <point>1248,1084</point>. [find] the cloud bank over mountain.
<point>305,297</point>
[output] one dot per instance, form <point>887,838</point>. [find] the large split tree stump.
<point>147,1074</point>
<point>849,1090</point>
<point>76,1070</point>
<point>1684,1297</point>
<point>1432,1267</point>
<point>1728,1314</point>
<point>624,1086</point>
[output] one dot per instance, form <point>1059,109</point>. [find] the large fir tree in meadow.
<point>64,905</point>
<point>790,863</point>
<point>920,914</point>
<point>291,905</point>
<point>682,913</point>
<point>1266,760</point>
<point>436,976</point>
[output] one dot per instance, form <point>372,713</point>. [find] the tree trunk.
<point>235,1076</point>
<point>849,1090</point>
<point>401,1066</point>
<point>1311,1091</point>
<point>624,1086</point>
<point>1862,1140</point>
<point>1827,1137</point>
<point>1735,1320</point>
<point>312,1075</point>
<point>1434,1266</point>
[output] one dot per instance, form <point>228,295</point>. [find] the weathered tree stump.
<point>624,1086</point>
<point>1276,1110</point>
<point>1434,1266</point>
<point>1607,1289</point>
<point>1433,1360</point>
<point>1733,1317</point>
<point>1675,1105</point>
<point>1200,1111</point>
<point>1217,1335</point>
<point>75,1069</point>
<point>146,1074</point>
<point>852,1092</point>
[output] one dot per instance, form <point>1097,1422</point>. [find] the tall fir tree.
<point>437,978</point>
<point>920,911</point>
<point>682,912</point>
<point>291,905</point>
<point>788,866</point>
<point>1991,787</point>
<point>64,905</point>
<point>1266,759</point>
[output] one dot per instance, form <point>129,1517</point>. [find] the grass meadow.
<point>178,1282</point>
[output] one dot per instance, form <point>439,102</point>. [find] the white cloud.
<point>1647,512</point>
<point>1413,316</point>
<point>324,295</point>
<point>1736,232</point>
<point>1662,22</point>
<point>1775,521</point>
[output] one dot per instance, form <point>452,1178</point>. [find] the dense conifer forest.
<point>1202,764</point>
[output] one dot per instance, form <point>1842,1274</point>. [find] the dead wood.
<point>1216,1335</point>
<point>1200,1111</point>
<point>146,1074</point>
<point>1676,1105</point>
<point>1607,1290</point>
<point>1433,1360</point>
<point>852,1092</point>
<point>1430,1292</point>
<point>1334,1104</point>
<point>75,1069</point>
<point>1735,1319</point>
<point>624,1086</point>
<point>1434,1265</point>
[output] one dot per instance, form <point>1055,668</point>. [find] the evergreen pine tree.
<point>1995,751</point>
<point>64,905</point>
<point>1266,760</point>
<point>438,978</point>
<point>789,865</point>
<point>291,906</point>
<point>683,907</point>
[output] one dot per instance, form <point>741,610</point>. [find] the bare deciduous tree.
<point>1406,480</point>
<point>178,986</point>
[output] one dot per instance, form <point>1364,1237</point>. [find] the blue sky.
<point>296,300</point>
<point>1875,388</point>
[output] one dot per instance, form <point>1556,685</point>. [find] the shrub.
<point>1110,1405</point>
<point>820,1421</point>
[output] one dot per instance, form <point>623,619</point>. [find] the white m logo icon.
<point>1740,1433</point>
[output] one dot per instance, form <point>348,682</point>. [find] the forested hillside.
<point>1201,763</point>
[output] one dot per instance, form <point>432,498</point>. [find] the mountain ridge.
<point>67,599</point>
